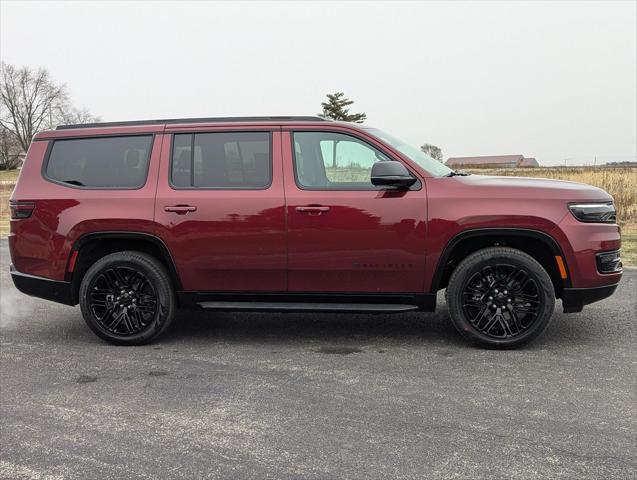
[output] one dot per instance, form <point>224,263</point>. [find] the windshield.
<point>436,168</point>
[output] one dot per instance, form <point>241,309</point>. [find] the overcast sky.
<point>550,80</point>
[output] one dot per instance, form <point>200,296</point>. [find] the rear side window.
<point>108,162</point>
<point>232,160</point>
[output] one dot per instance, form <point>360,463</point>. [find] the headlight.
<point>594,212</point>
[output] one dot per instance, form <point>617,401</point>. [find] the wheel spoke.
<point>504,324</point>
<point>136,280</point>
<point>146,308</point>
<point>120,278</point>
<point>489,324</point>
<point>516,321</point>
<point>484,314</point>
<point>110,281</point>
<point>115,320</point>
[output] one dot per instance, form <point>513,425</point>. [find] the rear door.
<point>344,234</point>
<point>220,207</point>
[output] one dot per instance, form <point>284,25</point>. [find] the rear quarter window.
<point>107,162</point>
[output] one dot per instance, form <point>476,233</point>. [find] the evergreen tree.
<point>335,108</point>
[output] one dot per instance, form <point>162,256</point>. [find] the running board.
<point>308,307</point>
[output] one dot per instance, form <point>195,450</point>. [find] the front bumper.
<point>574,299</point>
<point>581,243</point>
<point>54,290</point>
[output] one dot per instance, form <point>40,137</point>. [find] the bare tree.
<point>30,101</point>
<point>71,115</point>
<point>433,151</point>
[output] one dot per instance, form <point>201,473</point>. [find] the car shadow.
<point>200,328</point>
<point>297,328</point>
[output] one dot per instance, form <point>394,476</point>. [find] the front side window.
<point>326,160</point>
<point>106,162</point>
<point>232,160</point>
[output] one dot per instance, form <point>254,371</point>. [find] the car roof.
<point>149,127</point>
<point>172,121</point>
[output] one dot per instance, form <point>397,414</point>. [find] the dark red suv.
<point>134,219</point>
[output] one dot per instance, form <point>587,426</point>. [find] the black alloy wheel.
<point>127,298</point>
<point>501,301</point>
<point>500,297</point>
<point>123,300</point>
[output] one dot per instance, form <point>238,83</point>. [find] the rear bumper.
<point>574,299</point>
<point>54,290</point>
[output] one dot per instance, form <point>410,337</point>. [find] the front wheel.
<point>500,297</point>
<point>127,298</point>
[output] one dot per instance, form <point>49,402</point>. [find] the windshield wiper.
<point>457,173</point>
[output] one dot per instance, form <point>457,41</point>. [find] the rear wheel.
<point>500,297</point>
<point>127,298</point>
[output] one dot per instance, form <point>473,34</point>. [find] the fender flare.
<point>544,237</point>
<point>143,236</point>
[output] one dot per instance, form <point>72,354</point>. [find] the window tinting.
<point>109,162</point>
<point>222,160</point>
<point>326,161</point>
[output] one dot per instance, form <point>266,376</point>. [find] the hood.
<point>534,188</point>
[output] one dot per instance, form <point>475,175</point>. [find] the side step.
<point>308,307</point>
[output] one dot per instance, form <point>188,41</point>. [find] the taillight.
<point>20,210</point>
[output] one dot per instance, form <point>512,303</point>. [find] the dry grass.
<point>347,174</point>
<point>629,246</point>
<point>9,175</point>
<point>7,182</point>
<point>5,193</point>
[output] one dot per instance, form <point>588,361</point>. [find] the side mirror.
<point>391,174</point>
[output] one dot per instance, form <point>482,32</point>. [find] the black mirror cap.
<point>391,174</point>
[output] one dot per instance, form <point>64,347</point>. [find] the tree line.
<point>31,101</point>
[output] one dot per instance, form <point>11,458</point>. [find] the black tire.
<point>503,286</point>
<point>127,298</point>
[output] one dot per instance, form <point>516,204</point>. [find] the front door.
<point>344,234</point>
<point>220,208</point>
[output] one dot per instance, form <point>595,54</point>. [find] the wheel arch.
<point>540,245</point>
<point>93,246</point>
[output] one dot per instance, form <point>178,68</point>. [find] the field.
<point>621,183</point>
<point>7,181</point>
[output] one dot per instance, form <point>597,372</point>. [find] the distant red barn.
<point>493,161</point>
<point>529,162</point>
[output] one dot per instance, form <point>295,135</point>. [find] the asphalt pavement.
<point>316,396</point>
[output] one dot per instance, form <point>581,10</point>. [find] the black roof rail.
<point>131,123</point>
